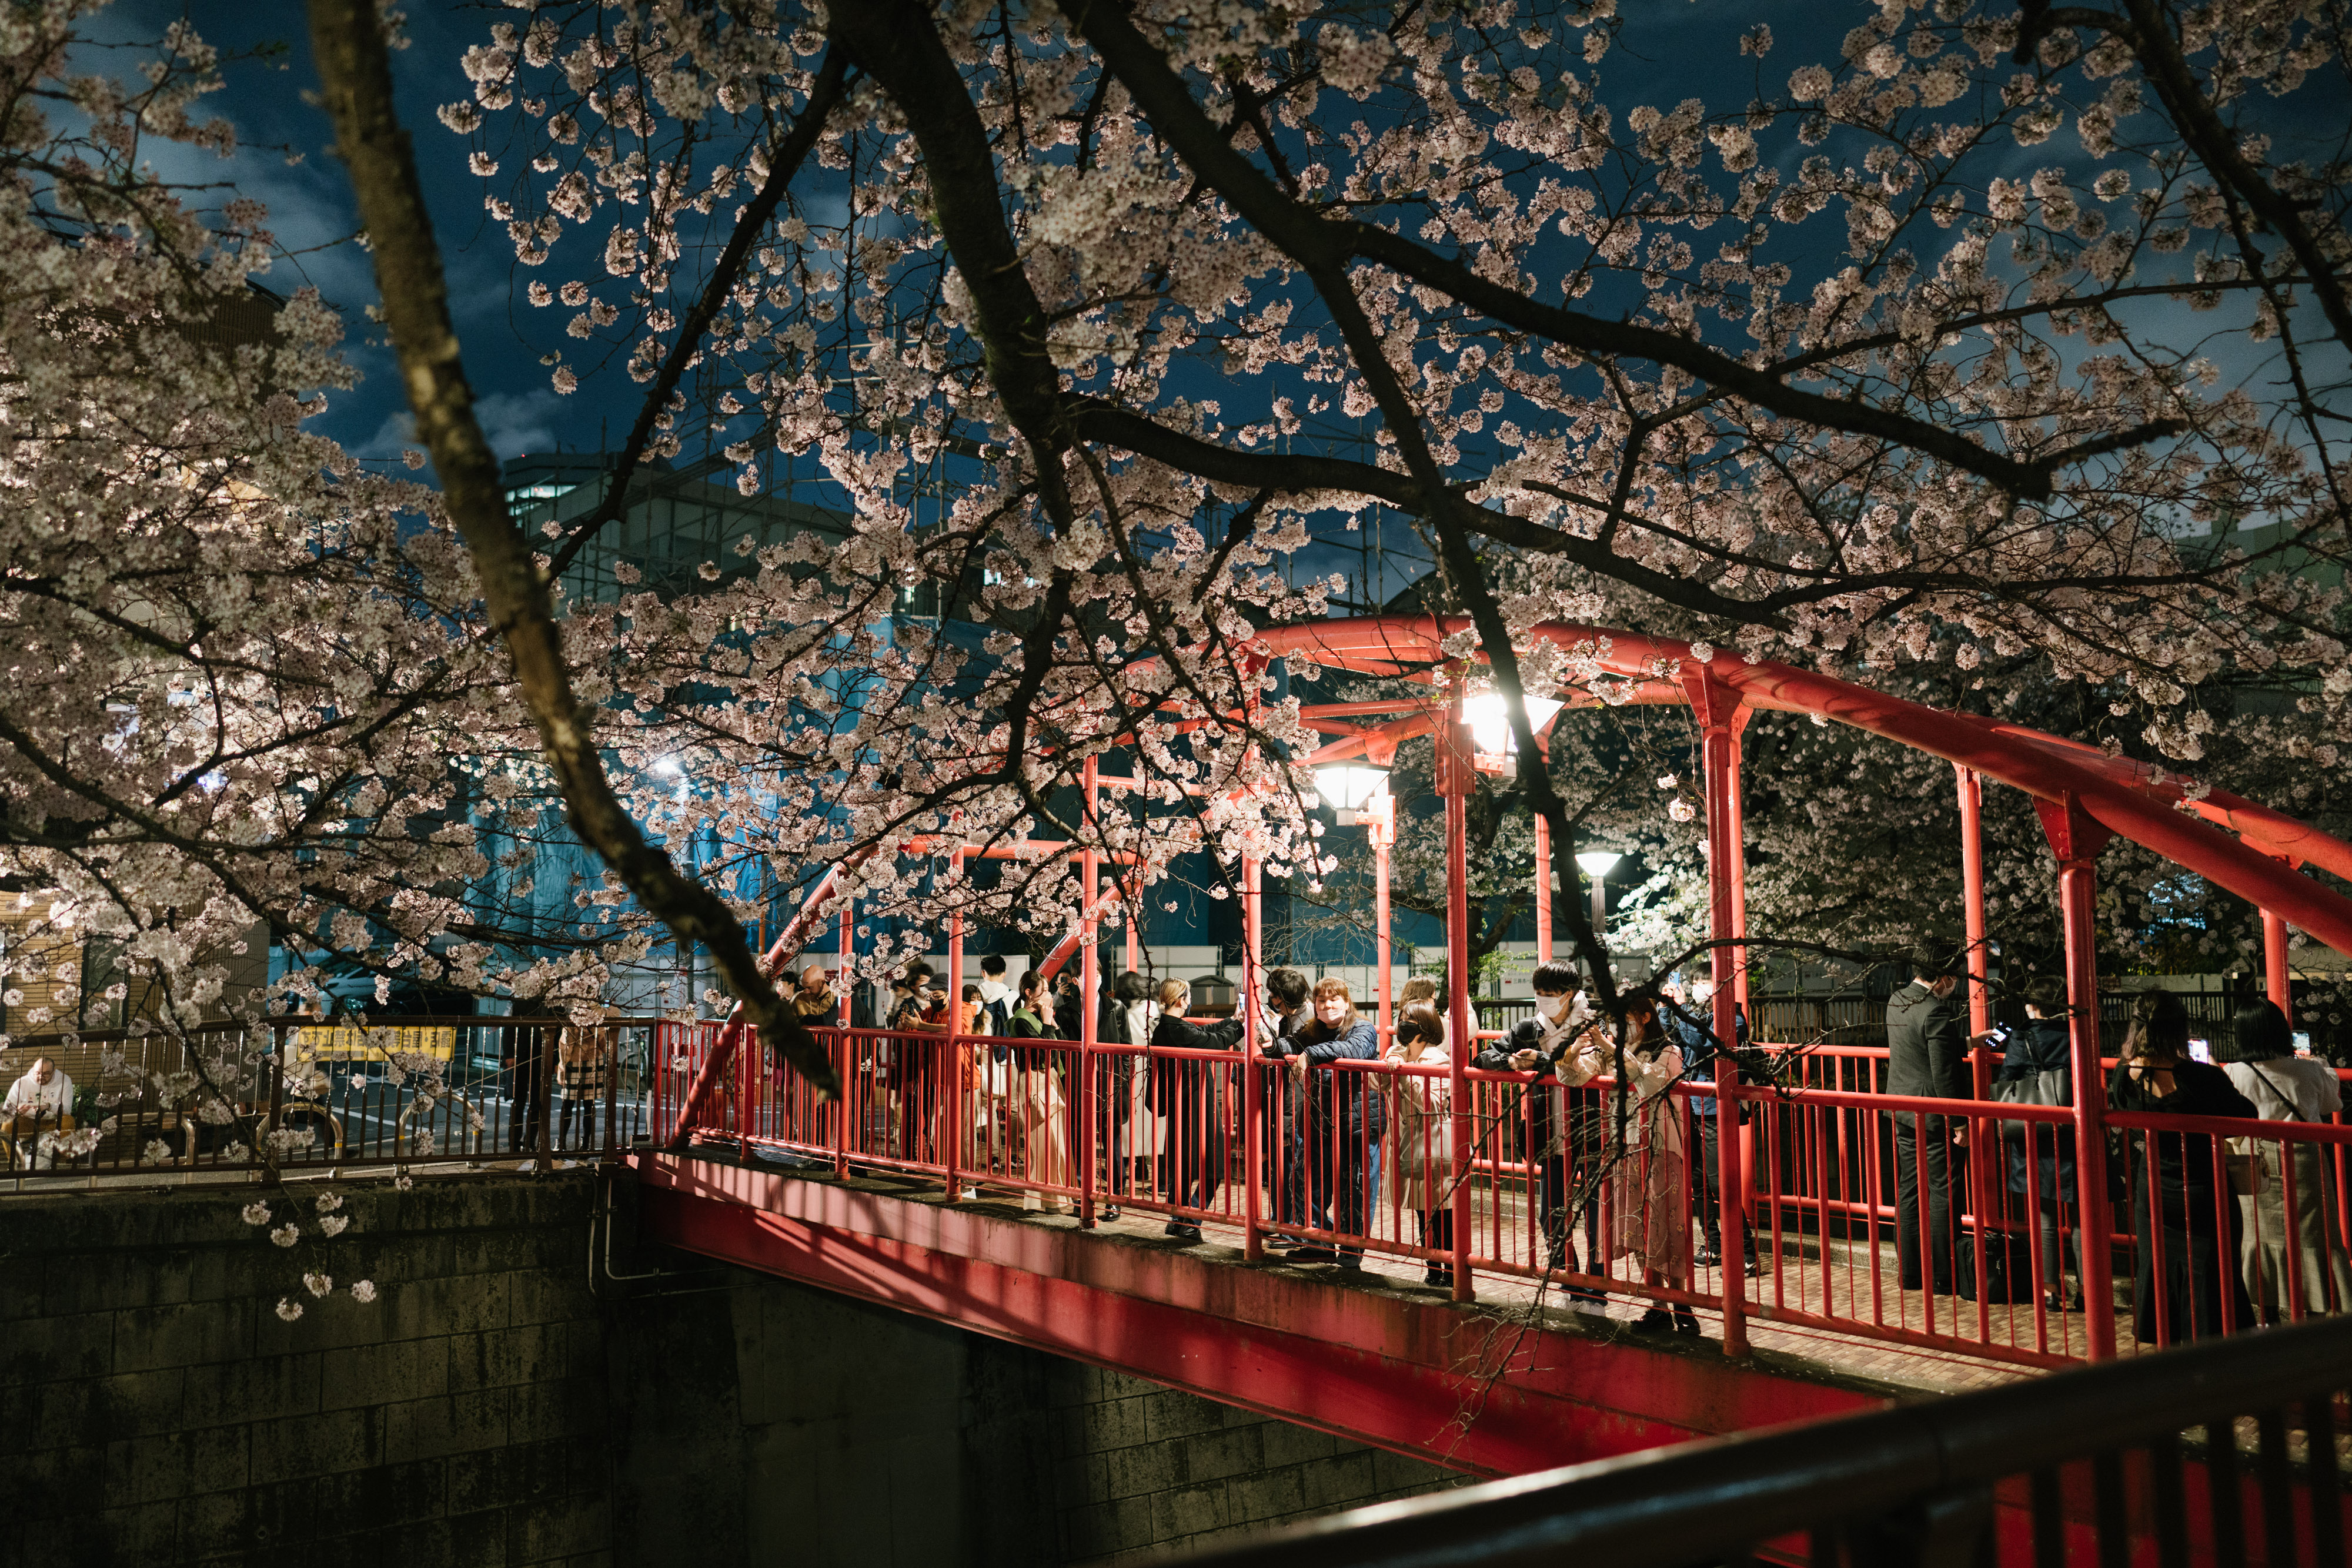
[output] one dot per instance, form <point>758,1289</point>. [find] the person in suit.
<point>1927,1056</point>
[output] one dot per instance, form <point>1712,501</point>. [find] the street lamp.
<point>1488,719</point>
<point>1350,787</point>
<point>1597,864</point>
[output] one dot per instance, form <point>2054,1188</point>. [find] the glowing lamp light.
<point>1488,717</point>
<point>1598,862</point>
<point>1349,785</point>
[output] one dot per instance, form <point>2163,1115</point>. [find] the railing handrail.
<point>1668,1507</point>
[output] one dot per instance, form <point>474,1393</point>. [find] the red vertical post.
<point>951,1052</point>
<point>1721,716</point>
<point>844,976</point>
<point>747,1104</point>
<point>1736,828</point>
<point>1723,853</point>
<point>1382,827</point>
<point>1453,774</point>
<point>1972,909</point>
<point>1543,889</point>
<point>846,1101</point>
<point>1254,1070</point>
<point>2076,840</point>
<point>1089,980</point>
<point>2276,980</point>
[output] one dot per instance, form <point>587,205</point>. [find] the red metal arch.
<point>2145,805</point>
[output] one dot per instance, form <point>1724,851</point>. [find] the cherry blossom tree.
<point>1949,339</point>
<point>239,666</point>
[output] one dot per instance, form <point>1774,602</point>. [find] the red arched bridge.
<point>1049,1191</point>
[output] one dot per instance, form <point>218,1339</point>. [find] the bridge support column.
<point>2077,841</point>
<point>1454,771</point>
<point>1254,1173</point>
<point>1089,1008</point>
<point>1543,888</point>
<point>1722,715</point>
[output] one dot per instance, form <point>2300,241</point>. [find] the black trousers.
<point>526,1117</point>
<point>1193,1153</point>
<point>1708,1203</point>
<point>1342,1164</point>
<point>1923,1159</point>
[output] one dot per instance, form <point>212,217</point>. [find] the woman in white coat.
<point>1649,1180</point>
<point>2284,1087</point>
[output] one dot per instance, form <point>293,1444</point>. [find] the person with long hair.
<point>1043,1092</point>
<point>1420,1164</point>
<point>1649,1176</point>
<point>2172,1182</point>
<point>1186,1094</point>
<point>1128,1016</point>
<point>1343,1118</point>
<point>2260,1060</point>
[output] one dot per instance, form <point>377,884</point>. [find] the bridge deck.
<point>1377,1355</point>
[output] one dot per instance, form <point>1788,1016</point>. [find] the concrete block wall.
<point>1145,1470</point>
<point>154,1409</point>
<point>488,1411</point>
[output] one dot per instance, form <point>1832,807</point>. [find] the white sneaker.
<point>969,1194</point>
<point>526,1168</point>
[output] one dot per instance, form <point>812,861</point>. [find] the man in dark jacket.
<point>1927,1056</point>
<point>1692,1023</point>
<point>1286,1013</point>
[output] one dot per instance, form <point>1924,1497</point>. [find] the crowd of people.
<point>1623,1160</point>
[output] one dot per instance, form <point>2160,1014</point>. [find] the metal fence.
<point>230,1102</point>
<point>2229,1453</point>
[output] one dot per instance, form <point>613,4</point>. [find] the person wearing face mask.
<point>1566,1120</point>
<point>1343,1116</point>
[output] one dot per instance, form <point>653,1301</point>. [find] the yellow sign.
<point>342,1042</point>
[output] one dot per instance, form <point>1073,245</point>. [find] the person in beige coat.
<point>1649,1180</point>
<point>2284,1087</point>
<point>1420,1165</point>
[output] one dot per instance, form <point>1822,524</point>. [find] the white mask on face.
<point>1331,1011</point>
<point>1552,1008</point>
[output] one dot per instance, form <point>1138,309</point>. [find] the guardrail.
<point>2230,1453</point>
<point>1599,1192</point>
<point>231,1102</point>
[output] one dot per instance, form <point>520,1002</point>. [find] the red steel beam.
<point>1415,1376</point>
<point>2129,799</point>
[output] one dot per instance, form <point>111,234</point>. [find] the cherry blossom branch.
<point>355,73</point>
<point>784,161</point>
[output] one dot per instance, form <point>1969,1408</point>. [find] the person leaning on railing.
<point>1421,1133</point>
<point>1649,1180</point>
<point>1046,1132</point>
<point>39,1107</point>
<point>1343,1120</point>
<point>1186,1093</point>
<point>2186,1302</point>
<point>1566,1124</point>
<point>2260,1061</point>
<point>2037,1068</point>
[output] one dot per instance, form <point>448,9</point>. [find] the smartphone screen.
<point>2201,1051</point>
<point>1997,1037</point>
<point>2302,1042</point>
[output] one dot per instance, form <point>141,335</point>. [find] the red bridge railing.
<point>1588,1191</point>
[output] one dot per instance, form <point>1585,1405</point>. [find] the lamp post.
<point>1597,864</point>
